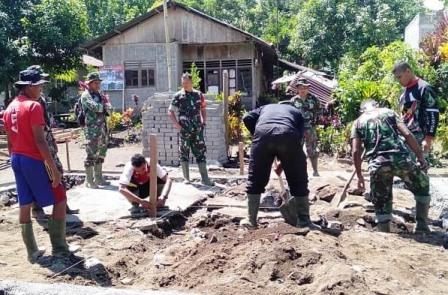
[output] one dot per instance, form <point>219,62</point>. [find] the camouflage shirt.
<point>378,131</point>
<point>419,108</point>
<point>309,108</point>
<point>189,106</point>
<point>47,129</point>
<point>95,109</point>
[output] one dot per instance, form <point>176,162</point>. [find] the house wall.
<point>420,26</point>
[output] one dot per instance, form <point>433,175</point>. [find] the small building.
<point>421,25</point>
<point>138,48</point>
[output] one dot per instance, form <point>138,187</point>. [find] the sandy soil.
<point>206,251</point>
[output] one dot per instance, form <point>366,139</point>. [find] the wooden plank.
<point>241,156</point>
<point>67,153</point>
<point>225,87</point>
<point>153,175</point>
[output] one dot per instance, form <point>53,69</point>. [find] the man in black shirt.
<point>277,132</point>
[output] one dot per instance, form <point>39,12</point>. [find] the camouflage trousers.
<point>382,170</point>
<point>96,146</point>
<point>195,142</point>
<point>419,136</point>
<point>310,139</point>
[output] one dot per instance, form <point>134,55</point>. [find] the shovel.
<point>340,197</point>
<point>287,208</point>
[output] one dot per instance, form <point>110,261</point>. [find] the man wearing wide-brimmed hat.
<point>96,108</point>
<point>37,177</point>
<point>309,106</point>
<point>52,145</point>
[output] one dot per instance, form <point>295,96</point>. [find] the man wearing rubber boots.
<point>51,141</point>
<point>190,107</point>
<point>38,179</point>
<point>309,107</point>
<point>96,108</point>
<point>380,130</point>
<point>277,132</point>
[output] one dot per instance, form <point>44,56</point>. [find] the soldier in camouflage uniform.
<point>419,106</point>
<point>309,107</point>
<point>52,145</point>
<point>190,107</point>
<point>381,132</point>
<point>96,108</point>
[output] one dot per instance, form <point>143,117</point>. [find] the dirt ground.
<point>205,250</point>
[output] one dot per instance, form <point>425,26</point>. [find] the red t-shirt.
<point>20,116</point>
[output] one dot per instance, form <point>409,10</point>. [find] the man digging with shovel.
<point>277,132</point>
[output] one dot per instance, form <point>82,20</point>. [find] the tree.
<point>328,29</point>
<point>54,30</point>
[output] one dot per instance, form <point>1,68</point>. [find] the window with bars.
<point>139,74</point>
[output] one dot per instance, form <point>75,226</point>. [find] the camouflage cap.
<point>93,76</point>
<point>39,69</point>
<point>298,81</point>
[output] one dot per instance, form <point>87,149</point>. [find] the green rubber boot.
<point>253,204</point>
<point>99,179</point>
<point>383,227</point>
<point>314,165</point>
<point>204,174</point>
<point>303,212</point>
<point>56,229</point>
<point>186,171</point>
<point>89,178</point>
<point>30,242</point>
<point>422,210</point>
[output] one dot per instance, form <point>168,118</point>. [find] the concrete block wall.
<point>155,120</point>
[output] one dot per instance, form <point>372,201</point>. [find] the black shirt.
<point>286,117</point>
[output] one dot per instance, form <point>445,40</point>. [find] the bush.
<point>334,140</point>
<point>114,121</point>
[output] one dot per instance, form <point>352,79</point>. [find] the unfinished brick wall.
<point>155,120</point>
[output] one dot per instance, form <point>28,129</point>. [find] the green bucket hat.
<point>93,76</point>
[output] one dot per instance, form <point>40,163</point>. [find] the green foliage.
<point>114,121</point>
<point>54,30</point>
<point>196,79</point>
<point>328,29</point>
<point>370,77</point>
<point>333,140</point>
<point>236,111</point>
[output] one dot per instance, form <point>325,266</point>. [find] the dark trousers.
<point>269,143</point>
<point>142,190</point>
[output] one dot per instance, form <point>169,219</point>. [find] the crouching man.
<point>135,183</point>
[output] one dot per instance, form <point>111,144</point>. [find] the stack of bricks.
<point>156,121</point>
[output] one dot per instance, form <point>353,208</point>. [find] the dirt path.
<point>208,252</point>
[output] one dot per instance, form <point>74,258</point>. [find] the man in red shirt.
<point>37,177</point>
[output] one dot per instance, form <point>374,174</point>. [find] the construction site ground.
<point>203,250</point>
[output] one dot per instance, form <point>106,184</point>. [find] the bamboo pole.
<point>153,175</point>
<point>225,87</point>
<point>67,153</point>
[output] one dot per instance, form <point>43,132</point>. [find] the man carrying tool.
<point>96,108</point>
<point>277,132</point>
<point>51,142</point>
<point>309,107</point>
<point>380,130</point>
<point>418,104</point>
<point>190,106</point>
<point>37,176</point>
<point>135,182</point>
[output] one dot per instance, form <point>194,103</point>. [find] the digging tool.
<point>340,197</point>
<point>287,208</point>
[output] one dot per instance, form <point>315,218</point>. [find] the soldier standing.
<point>52,145</point>
<point>381,132</point>
<point>190,106</point>
<point>309,106</point>
<point>418,104</point>
<point>96,108</point>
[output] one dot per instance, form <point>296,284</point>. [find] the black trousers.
<point>142,190</point>
<point>269,143</point>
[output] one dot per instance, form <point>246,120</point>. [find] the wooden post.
<point>153,175</point>
<point>225,87</point>
<point>241,154</point>
<point>67,153</point>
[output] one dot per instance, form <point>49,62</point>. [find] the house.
<point>135,54</point>
<point>421,25</point>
